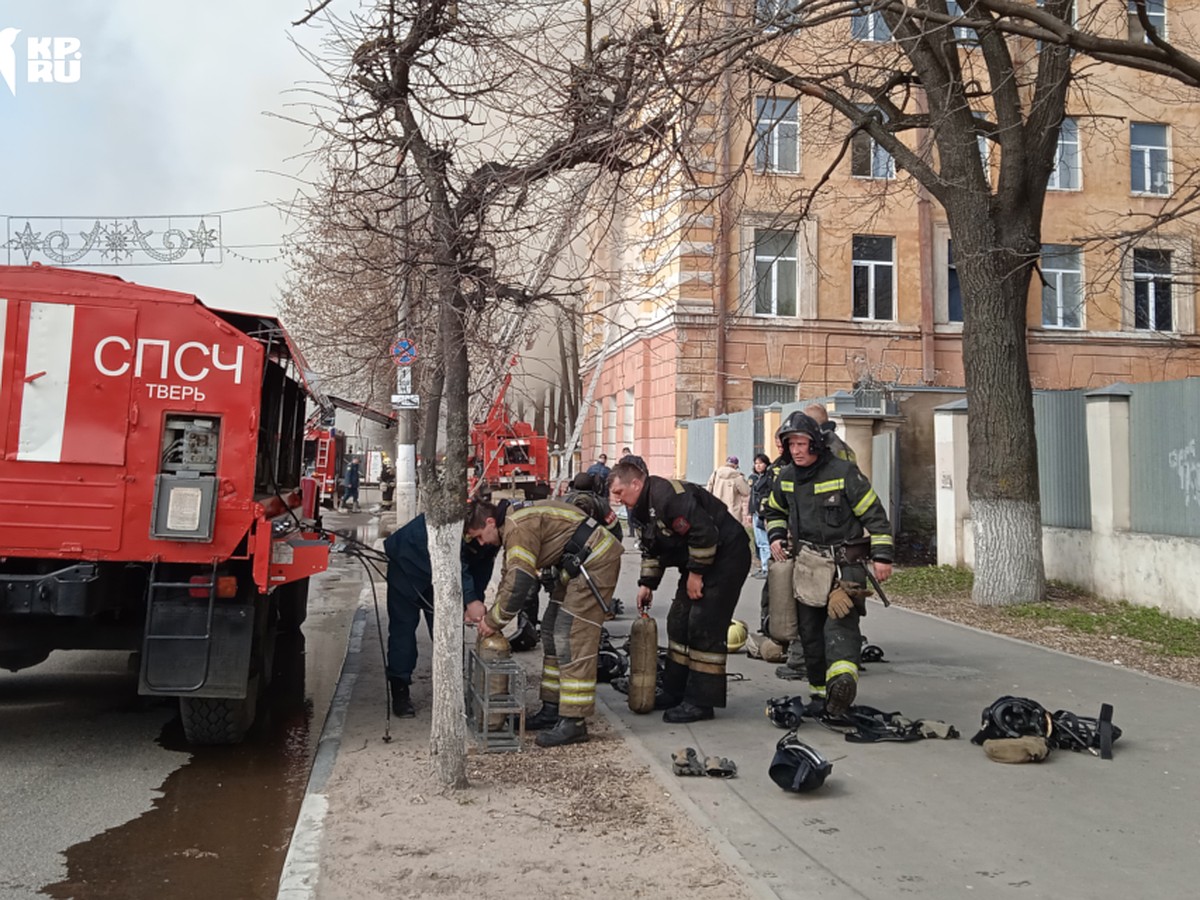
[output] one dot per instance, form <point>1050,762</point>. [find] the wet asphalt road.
<point>101,798</point>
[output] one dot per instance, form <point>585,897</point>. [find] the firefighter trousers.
<point>571,633</point>
<point>825,641</point>
<point>698,630</point>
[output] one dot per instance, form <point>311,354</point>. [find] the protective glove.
<point>685,762</point>
<point>840,603</point>
<point>720,767</point>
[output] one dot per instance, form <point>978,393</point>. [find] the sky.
<point>166,110</point>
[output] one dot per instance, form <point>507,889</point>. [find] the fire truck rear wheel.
<point>213,720</point>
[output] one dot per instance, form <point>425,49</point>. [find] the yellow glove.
<point>840,603</point>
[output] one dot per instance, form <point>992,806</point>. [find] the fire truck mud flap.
<point>182,657</point>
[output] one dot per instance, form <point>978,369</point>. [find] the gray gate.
<point>1164,456</point>
<point>699,451</point>
<point>1060,420</point>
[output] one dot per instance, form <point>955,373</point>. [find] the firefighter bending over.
<point>582,559</point>
<point>827,506</point>
<point>684,526</point>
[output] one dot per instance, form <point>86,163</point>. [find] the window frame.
<point>875,151</point>
<point>1158,18</point>
<point>1055,274</point>
<point>871,266</point>
<point>1147,168</point>
<point>774,260</point>
<point>953,285</point>
<point>1059,159</point>
<point>865,26</point>
<point>766,145</point>
<point>1154,282</point>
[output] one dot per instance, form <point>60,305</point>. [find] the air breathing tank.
<point>643,664</point>
<point>782,623</point>
<point>492,648</point>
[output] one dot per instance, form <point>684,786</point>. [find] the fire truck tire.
<point>292,600</point>
<point>214,720</point>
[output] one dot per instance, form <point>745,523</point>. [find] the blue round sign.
<point>404,352</point>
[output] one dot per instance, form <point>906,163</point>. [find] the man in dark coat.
<point>410,593</point>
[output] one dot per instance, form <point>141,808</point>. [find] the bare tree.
<point>486,108</point>
<point>929,96</point>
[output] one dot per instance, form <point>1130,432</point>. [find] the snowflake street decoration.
<point>113,242</point>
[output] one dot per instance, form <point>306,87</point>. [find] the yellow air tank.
<point>643,664</point>
<point>781,599</point>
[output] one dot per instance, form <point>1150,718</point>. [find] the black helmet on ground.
<point>797,767</point>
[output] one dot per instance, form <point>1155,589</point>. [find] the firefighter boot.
<point>841,688</point>
<point>402,707</point>
<point>687,712</point>
<point>565,731</point>
<point>546,717</point>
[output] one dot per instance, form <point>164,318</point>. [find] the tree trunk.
<point>995,264</point>
<point>447,739</point>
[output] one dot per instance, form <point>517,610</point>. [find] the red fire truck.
<point>508,456</point>
<point>152,500</point>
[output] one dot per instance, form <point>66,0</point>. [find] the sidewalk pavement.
<point>932,818</point>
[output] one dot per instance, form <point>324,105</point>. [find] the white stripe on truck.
<point>3,323</point>
<point>47,379</point>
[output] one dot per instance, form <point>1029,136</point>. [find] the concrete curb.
<point>301,868</point>
<point>727,851</point>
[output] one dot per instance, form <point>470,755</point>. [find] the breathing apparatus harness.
<point>571,563</point>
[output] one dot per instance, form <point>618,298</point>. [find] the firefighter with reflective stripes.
<point>828,506</point>
<point>552,541</point>
<point>684,526</point>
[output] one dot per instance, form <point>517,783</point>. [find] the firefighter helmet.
<point>610,665</point>
<point>799,423</point>
<point>526,636</point>
<point>736,638</point>
<point>797,767</point>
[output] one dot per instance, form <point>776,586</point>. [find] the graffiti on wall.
<point>1186,463</point>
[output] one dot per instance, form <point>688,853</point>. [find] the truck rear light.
<point>226,586</point>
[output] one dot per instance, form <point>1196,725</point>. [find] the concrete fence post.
<point>950,459</point>
<point>1108,457</point>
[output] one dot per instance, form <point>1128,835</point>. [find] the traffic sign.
<point>404,352</point>
<point>404,380</point>
<point>406,401</point>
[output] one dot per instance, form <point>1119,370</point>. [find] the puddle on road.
<point>222,825</point>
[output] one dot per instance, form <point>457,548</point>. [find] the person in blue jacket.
<point>410,593</point>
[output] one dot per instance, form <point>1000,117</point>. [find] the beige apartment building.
<point>713,293</point>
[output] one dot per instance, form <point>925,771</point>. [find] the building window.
<point>1152,306</point>
<point>985,146</point>
<point>767,393</point>
<point>1156,13</point>
<point>873,276</point>
<point>1148,162</point>
<point>869,26</point>
<point>867,158</point>
<point>1065,176</point>
<point>627,419</point>
<point>965,36</point>
<point>1062,286</point>
<point>954,307</point>
<point>775,13</point>
<point>775,267</point>
<point>777,132</point>
<point>610,424</point>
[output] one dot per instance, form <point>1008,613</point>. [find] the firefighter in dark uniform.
<point>828,506</point>
<point>583,559</point>
<point>684,526</point>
